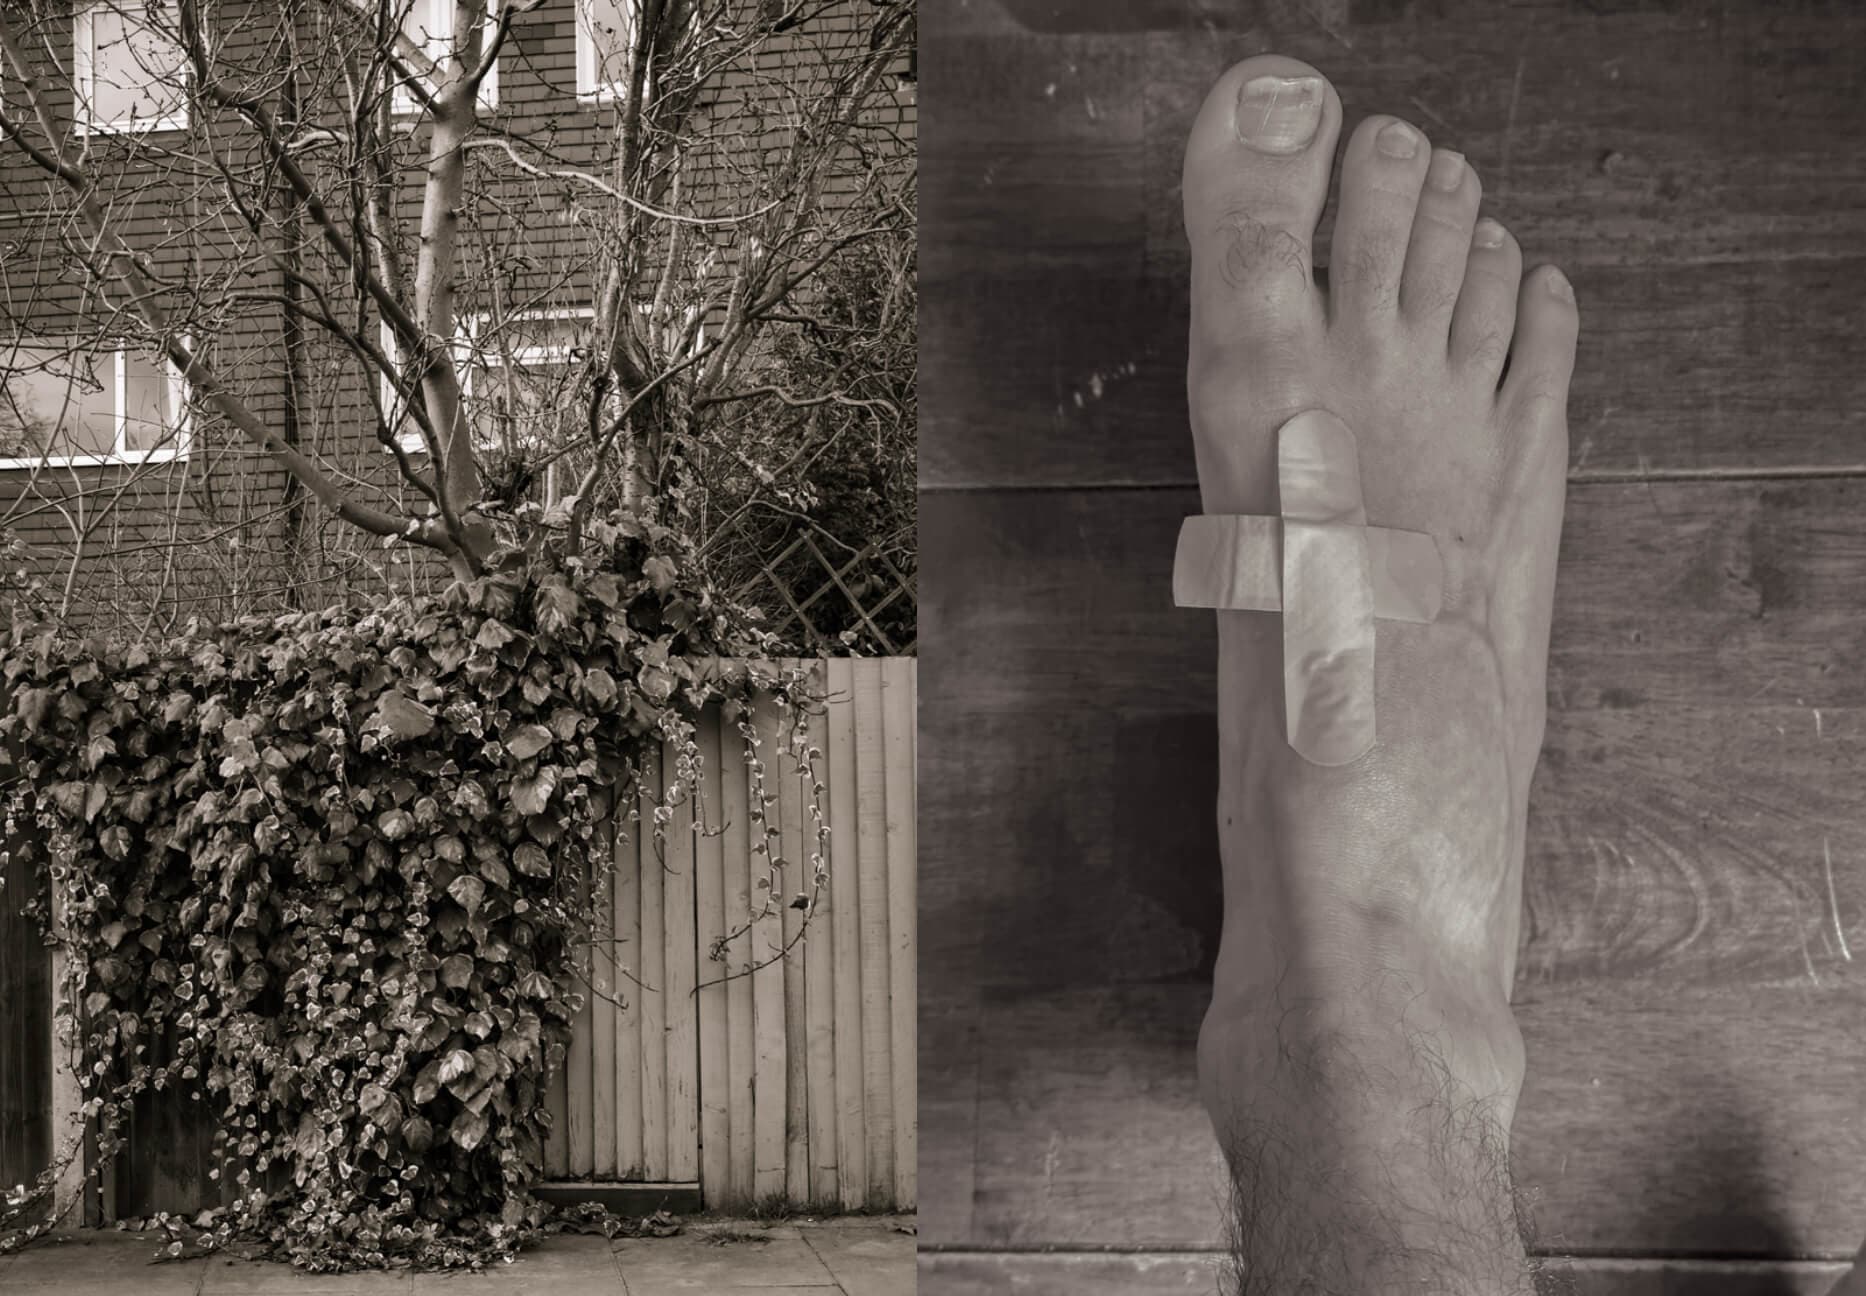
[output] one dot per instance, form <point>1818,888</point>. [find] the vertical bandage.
<point>1327,571</point>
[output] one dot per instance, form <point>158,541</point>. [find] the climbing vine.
<point>323,871</point>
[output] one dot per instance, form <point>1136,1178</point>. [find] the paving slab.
<point>98,1264</point>
<point>727,1257</point>
<point>565,1265</point>
<point>867,1257</point>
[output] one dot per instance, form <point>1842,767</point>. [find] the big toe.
<point>1256,178</point>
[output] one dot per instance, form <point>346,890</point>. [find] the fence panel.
<point>785,1067</point>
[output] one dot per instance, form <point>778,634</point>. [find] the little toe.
<point>1440,242</point>
<point>1484,319</point>
<point>1256,178</point>
<point>1382,172</point>
<point>1542,352</point>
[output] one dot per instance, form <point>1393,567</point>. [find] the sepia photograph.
<point>1392,556</point>
<point>458,663</point>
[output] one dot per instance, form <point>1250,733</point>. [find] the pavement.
<point>870,1255</point>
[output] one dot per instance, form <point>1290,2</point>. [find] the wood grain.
<point>845,919</point>
<point>1161,1272</point>
<point>1683,945</point>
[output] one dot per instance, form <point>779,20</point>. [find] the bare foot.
<point>1389,886</point>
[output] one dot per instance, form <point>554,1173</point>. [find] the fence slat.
<point>796,1006</point>
<point>871,833</point>
<point>768,1076</point>
<point>846,935</point>
<point>819,970</point>
<point>734,810</point>
<point>604,986</point>
<point>653,975</point>
<point>581,1124</point>
<point>626,917</point>
<point>899,717</point>
<point>683,1026</point>
<point>709,904</point>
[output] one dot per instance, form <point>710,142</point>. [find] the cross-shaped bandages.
<point>1327,571</point>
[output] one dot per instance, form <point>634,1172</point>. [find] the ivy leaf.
<point>493,635</point>
<point>656,683</point>
<point>467,892</point>
<point>372,1100</point>
<point>528,741</point>
<point>557,606</point>
<point>456,971</point>
<point>428,1083</point>
<point>416,1132</point>
<point>530,796</point>
<point>402,716</point>
<point>660,573</point>
<point>115,841</point>
<point>468,1129</point>
<point>456,1064</point>
<point>395,824</point>
<point>530,859</point>
<point>600,686</point>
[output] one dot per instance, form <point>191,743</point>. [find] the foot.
<point>1391,885</point>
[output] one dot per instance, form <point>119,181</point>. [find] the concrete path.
<point>857,1256</point>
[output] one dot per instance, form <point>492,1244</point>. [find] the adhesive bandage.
<point>1327,571</point>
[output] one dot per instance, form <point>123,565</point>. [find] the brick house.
<point>144,501</point>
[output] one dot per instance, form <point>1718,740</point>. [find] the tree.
<point>408,286</point>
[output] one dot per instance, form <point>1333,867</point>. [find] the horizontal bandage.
<point>1327,571</point>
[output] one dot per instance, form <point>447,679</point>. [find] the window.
<point>65,406</point>
<point>128,76</point>
<point>605,29</point>
<point>516,382</point>
<point>430,25</point>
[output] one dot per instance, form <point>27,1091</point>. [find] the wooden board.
<point>1159,1273</point>
<point>820,966</point>
<point>1682,947</point>
<point>1712,261</point>
<point>871,826</point>
<point>770,1109</point>
<point>682,1048</point>
<point>899,721</point>
<point>653,973</point>
<point>604,1064</point>
<point>846,930</point>
<point>581,1125</point>
<point>710,928</point>
<point>741,1046</point>
<point>630,1153</point>
<point>790,817</point>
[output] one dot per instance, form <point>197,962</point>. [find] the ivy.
<point>322,872</point>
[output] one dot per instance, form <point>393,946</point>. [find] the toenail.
<point>1397,140</point>
<point>1560,288</point>
<point>1488,234</point>
<point>1446,172</point>
<point>1279,114</point>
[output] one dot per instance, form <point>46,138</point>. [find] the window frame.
<point>176,448</point>
<point>403,103</point>
<point>84,74</point>
<point>589,89</point>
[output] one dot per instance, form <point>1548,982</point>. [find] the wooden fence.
<point>783,1069</point>
<point>765,1074</point>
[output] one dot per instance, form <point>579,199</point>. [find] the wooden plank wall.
<point>770,1073</point>
<point>1690,986</point>
<point>795,1079</point>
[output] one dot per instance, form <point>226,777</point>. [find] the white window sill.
<point>129,459</point>
<point>154,126</point>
